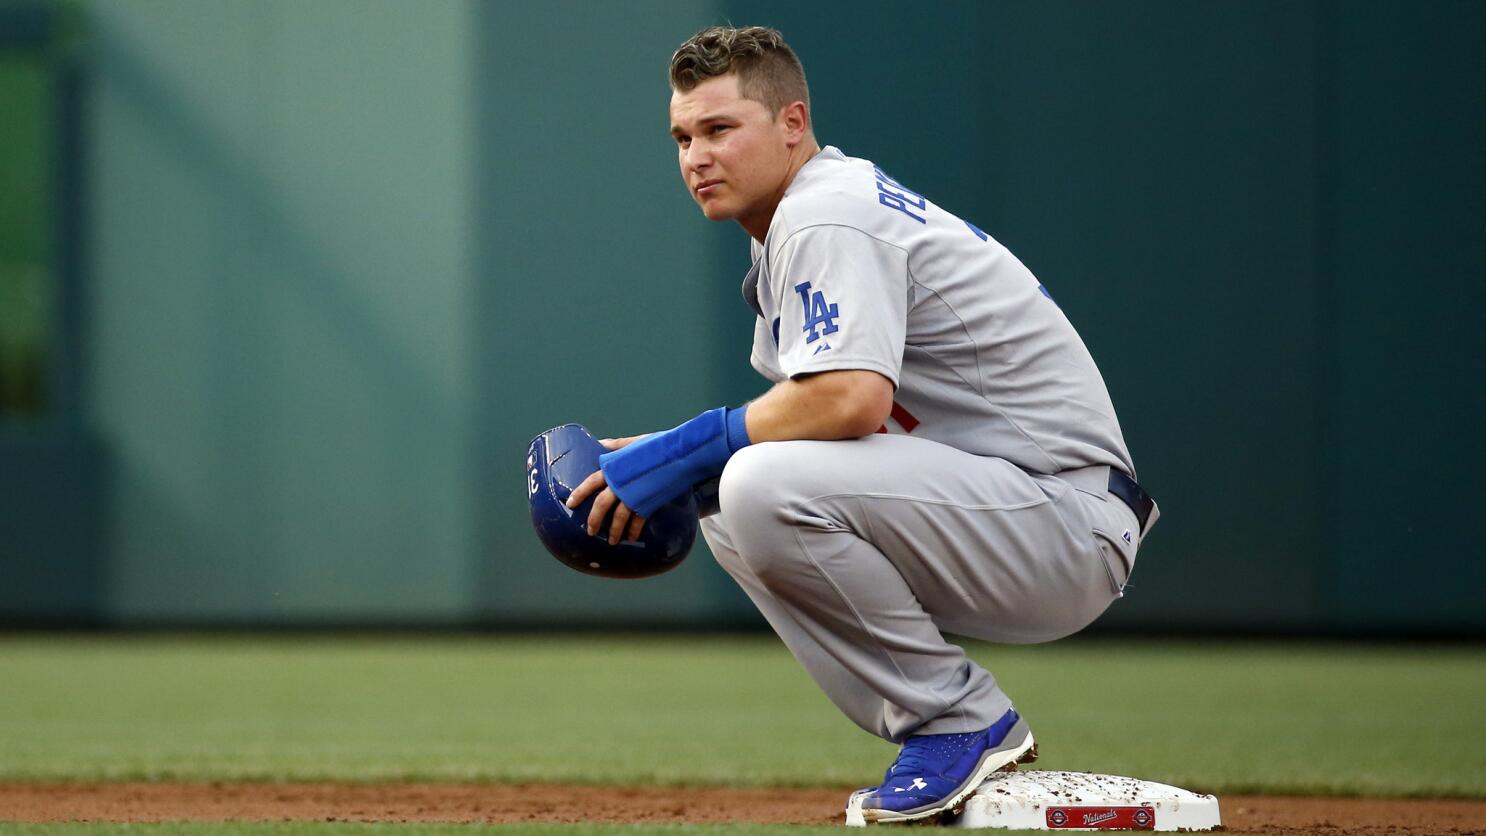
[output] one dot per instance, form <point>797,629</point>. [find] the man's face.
<point>734,155</point>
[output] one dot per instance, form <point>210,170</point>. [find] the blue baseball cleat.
<point>935,773</point>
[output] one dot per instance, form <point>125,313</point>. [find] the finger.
<point>586,488</point>
<point>612,443</point>
<point>600,511</point>
<point>636,525</point>
<point>622,513</point>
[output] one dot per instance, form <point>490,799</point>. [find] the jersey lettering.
<point>895,195</point>
<point>817,313</point>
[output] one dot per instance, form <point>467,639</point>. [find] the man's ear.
<point>796,119</point>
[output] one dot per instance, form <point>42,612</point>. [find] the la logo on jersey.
<point>820,318</point>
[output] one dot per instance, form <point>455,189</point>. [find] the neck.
<point>757,224</point>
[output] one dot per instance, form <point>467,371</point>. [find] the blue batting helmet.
<point>561,458</point>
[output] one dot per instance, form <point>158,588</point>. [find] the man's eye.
<point>717,129</point>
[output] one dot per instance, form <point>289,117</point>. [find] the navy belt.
<point>1133,495</point>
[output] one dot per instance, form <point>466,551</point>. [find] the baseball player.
<point>938,452</point>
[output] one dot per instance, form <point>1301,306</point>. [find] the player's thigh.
<point>988,550</point>
<point>779,473</point>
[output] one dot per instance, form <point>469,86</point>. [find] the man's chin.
<point>715,211</point>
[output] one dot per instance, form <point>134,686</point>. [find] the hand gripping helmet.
<point>561,458</point>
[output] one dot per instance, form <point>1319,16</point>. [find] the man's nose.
<point>697,157</point>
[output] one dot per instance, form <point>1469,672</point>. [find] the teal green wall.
<point>327,240</point>
<point>26,89</point>
<point>1158,171</point>
<point>330,242</point>
<point>282,266</point>
<point>601,299</point>
<point>1404,261</point>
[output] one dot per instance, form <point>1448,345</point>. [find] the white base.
<point>1043,800</point>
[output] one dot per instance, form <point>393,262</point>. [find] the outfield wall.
<point>326,244</point>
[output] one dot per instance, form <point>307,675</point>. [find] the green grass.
<point>1287,718</point>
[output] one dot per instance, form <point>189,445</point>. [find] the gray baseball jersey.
<point>860,272</point>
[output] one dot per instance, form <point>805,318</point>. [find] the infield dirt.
<point>557,803</point>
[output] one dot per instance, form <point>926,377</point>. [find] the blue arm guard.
<point>660,467</point>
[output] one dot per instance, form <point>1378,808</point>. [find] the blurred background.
<point>287,287</point>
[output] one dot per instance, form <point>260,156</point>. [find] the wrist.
<point>737,428</point>
<point>662,466</point>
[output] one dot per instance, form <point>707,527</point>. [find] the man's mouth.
<point>707,186</point>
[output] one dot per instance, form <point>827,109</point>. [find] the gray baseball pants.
<point>862,553</point>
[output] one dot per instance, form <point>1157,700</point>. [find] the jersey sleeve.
<point>843,301</point>
<point>764,358</point>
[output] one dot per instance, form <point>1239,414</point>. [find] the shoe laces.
<point>920,751</point>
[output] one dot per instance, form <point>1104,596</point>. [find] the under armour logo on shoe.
<point>918,784</point>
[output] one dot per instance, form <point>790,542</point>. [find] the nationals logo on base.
<point>1101,818</point>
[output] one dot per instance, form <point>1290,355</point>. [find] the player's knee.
<point>748,490</point>
<point>754,497</point>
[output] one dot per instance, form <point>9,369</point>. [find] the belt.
<point>1132,494</point>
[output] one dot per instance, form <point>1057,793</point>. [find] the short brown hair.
<point>768,71</point>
